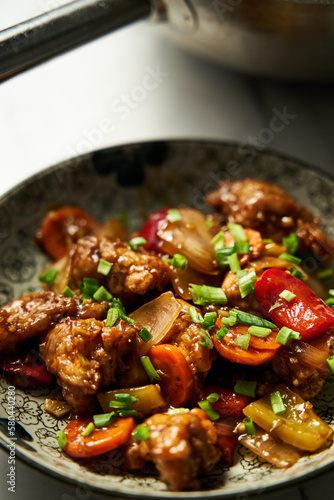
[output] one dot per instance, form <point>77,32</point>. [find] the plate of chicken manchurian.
<point>167,320</point>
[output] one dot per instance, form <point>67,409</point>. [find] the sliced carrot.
<point>259,351</point>
<point>100,440</point>
<point>60,228</point>
<point>176,378</point>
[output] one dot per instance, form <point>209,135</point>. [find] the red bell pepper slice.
<point>150,229</point>
<point>28,375</point>
<point>305,313</point>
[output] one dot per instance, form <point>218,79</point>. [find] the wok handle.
<point>64,28</point>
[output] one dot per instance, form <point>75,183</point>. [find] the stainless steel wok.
<point>285,39</point>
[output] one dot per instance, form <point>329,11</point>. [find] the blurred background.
<point>96,96</point>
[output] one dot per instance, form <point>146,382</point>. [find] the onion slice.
<point>158,317</point>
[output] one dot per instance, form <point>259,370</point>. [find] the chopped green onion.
<point>277,403</point>
<point>249,426</point>
<point>195,315</point>
<point>242,247</point>
<point>88,430</point>
<point>295,335</point>
<point>144,334</point>
<point>149,368</point>
<point>283,335</point>
<point>117,304</point>
<point>48,277</point>
<point>275,306</point>
<point>207,340</point>
<point>137,242</point>
<point>104,267</point>
<point>104,419</point>
<point>237,232</point>
<point>213,397</point>
<point>290,258</point>
<point>246,281</point>
<point>120,405</point>
<point>331,292</point>
<point>259,331</point>
<point>297,274</point>
<point>127,413</point>
<point>88,287</point>
<point>61,438</point>
<point>177,411</point>
<point>242,341</point>
<point>209,221</point>
<point>287,295</point>
<point>325,274</point>
<point>330,362</point>
<point>330,302</point>
<point>267,240</point>
<point>68,292</point>
<point>211,413</point>
<point>204,295</point>
<point>291,242</point>
<point>142,432</point>
<point>230,321</point>
<point>233,262</point>
<point>220,334</point>
<point>251,319</point>
<point>222,255</point>
<point>174,215</point>
<point>123,218</point>
<point>210,319</point>
<point>126,318</point>
<point>218,240</point>
<point>179,261</point>
<point>246,387</point>
<point>102,294</point>
<point>127,398</point>
<point>112,317</point>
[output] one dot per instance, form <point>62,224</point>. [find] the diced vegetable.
<point>228,404</point>
<point>298,426</point>
<point>27,374</point>
<point>149,398</point>
<point>226,441</point>
<point>305,313</point>
<point>157,317</point>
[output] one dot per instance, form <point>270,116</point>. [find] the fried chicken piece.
<point>181,447</point>
<point>186,335</point>
<point>31,315</point>
<point>86,356</point>
<point>314,239</point>
<point>259,205</point>
<point>133,272</point>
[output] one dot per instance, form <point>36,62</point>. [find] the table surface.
<point>93,97</point>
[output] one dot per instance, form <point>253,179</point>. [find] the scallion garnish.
<point>325,274</point>
<point>142,432</point>
<point>277,403</point>
<point>297,274</point>
<point>204,295</point>
<point>251,319</point>
<point>119,405</point>
<point>246,281</point>
<point>61,438</point>
<point>330,302</point>
<point>104,419</point>
<point>220,334</point>
<point>242,341</point>
<point>218,241</point>
<point>222,255</point>
<point>267,240</point>
<point>127,413</point>
<point>137,242</point>
<point>249,426</point>
<point>275,306</point>
<point>291,242</point>
<point>290,258</point>
<point>88,287</point>
<point>112,317</point>
<point>237,232</point>
<point>123,218</point>
<point>213,397</point>
<point>228,321</point>
<point>211,413</point>
<point>144,334</point>
<point>287,295</point>
<point>88,430</point>
<point>174,215</point>
<point>246,387</point>
<point>149,368</point>
<point>210,319</point>
<point>330,362</point>
<point>234,263</point>
<point>102,294</point>
<point>177,411</point>
<point>68,292</point>
<point>127,398</point>
<point>104,267</point>
<point>284,335</point>
<point>179,261</point>
<point>242,248</point>
<point>259,331</point>
<point>49,276</point>
<point>207,340</point>
<point>195,315</point>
